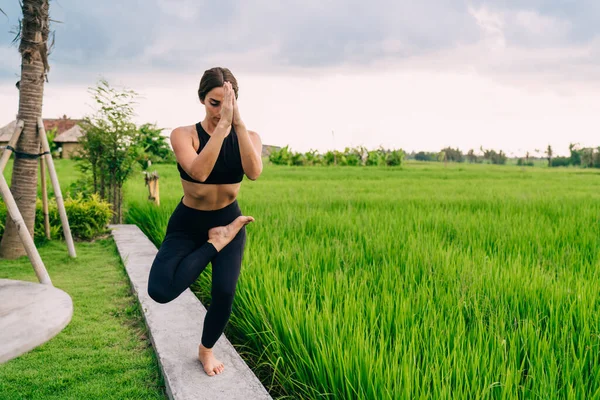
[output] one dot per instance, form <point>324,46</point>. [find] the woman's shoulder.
<point>184,136</point>
<point>184,130</point>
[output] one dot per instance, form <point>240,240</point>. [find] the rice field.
<point>425,281</point>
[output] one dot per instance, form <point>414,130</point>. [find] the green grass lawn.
<point>425,281</point>
<point>104,352</point>
<point>66,170</point>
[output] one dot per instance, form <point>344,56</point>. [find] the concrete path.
<point>176,329</point>
<point>30,315</point>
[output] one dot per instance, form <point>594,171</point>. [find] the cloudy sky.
<point>503,74</point>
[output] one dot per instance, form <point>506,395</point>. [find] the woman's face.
<point>213,102</point>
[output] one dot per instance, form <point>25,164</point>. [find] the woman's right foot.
<point>221,236</point>
<point>211,365</point>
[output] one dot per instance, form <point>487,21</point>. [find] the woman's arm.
<point>250,145</point>
<point>250,151</point>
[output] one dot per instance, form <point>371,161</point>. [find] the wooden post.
<point>45,199</point>
<point>151,180</point>
<point>156,192</point>
<point>17,218</point>
<point>11,143</point>
<point>56,186</point>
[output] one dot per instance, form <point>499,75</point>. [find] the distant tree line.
<point>586,157</point>
<point>448,154</point>
<point>349,157</point>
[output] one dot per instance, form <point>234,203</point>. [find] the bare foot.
<point>211,365</point>
<point>220,236</point>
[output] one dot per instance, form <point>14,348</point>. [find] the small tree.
<point>471,156</point>
<point>549,155</point>
<point>155,145</point>
<point>454,155</point>
<point>575,154</point>
<point>587,157</point>
<point>109,151</point>
<point>493,156</point>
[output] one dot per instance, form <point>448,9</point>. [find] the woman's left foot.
<point>211,365</point>
<point>221,236</point>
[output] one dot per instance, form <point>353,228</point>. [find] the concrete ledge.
<point>176,329</point>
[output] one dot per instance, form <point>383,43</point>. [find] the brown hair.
<point>216,77</point>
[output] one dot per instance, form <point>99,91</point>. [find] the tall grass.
<point>465,281</point>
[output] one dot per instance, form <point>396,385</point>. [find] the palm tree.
<point>33,35</point>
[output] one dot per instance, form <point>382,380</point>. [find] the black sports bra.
<point>228,167</point>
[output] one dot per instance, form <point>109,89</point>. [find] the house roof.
<point>63,126</point>
<point>70,136</point>
<point>7,131</point>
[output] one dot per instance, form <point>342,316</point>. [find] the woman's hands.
<point>237,119</point>
<point>227,108</point>
<point>230,113</point>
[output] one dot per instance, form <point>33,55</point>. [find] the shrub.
<point>375,157</point>
<point>524,163</point>
<point>394,158</point>
<point>88,218</point>
<point>280,157</point>
<point>561,161</point>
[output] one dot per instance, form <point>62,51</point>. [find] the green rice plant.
<point>423,281</point>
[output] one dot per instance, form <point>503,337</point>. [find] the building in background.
<point>67,133</point>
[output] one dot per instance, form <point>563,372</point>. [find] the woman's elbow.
<point>199,177</point>
<point>254,174</point>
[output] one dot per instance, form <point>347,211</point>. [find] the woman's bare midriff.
<point>209,197</point>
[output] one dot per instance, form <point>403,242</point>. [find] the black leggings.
<point>185,253</point>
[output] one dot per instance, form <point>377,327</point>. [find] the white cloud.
<point>187,10</point>
<point>543,27</point>
<point>520,27</point>
<point>491,24</point>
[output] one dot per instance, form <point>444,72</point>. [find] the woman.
<point>207,224</point>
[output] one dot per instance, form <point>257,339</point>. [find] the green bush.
<point>394,158</point>
<point>353,156</point>
<point>426,156</point>
<point>83,187</point>
<point>312,157</point>
<point>88,218</point>
<point>280,157</point>
<point>376,157</point>
<point>524,163</point>
<point>561,161</point>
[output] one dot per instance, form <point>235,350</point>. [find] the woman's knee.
<point>159,293</point>
<point>223,296</point>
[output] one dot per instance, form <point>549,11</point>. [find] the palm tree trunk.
<point>34,65</point>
